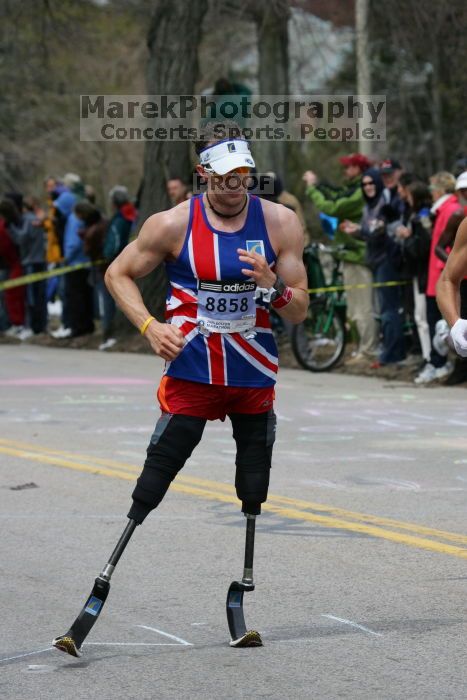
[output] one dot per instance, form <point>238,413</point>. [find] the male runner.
<point>220,352</point>
<point>447,293</point>
<point>228,257</point>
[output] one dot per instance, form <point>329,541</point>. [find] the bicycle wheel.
<point>318,343</point>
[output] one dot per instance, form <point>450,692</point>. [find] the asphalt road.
<point>361,551</point>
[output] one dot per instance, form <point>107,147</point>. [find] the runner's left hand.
<point>260,271</point>
<point>459,336</point>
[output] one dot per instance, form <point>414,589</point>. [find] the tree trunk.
<point>273,73</point>
<point>173,39</point>
<point>436,108</point>
<point>363,62</point>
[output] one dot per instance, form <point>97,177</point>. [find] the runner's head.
<point>225,159</point>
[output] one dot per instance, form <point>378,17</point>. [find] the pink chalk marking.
<point>76,381</point>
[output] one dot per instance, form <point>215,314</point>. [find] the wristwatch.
<point>277,289</point>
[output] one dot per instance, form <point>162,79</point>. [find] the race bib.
<point>226,306</point>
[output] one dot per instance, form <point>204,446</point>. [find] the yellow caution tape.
<point>344,287</point>
<point>38,276</point>
<point>56,272</point>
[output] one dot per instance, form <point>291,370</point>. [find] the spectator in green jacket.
<point>346,203</point>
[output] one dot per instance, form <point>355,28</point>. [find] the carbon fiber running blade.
<point>72,641</point>
<point>241,637</point>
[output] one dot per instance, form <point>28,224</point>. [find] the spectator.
<point>116,238</point>
<point>415,239</point>
<point>53,187</point>
<point>93,236</point>
<point>10,268</point>
<point>442,186</point>
<point>79,298</point>
<point>406,273</point>
<point>177,190</point>
<point>54,253</point>
<point>342,202</point>
<point>354,165</point>
<point>391,172</point>
<point>28,235</point>
<point>90,193</point>
<point>459,166</point>
<point>70,192</point>
<point>288,200</point>
<point>347,205</point>
<point>121,223</point>
<point>405,180</point>
<point>94,229</point>
<point>383,257</point>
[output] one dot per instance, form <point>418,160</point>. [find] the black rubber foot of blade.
<point>249,639</point>
<point>66,644</point>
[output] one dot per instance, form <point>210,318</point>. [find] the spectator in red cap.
<point>347,205</point>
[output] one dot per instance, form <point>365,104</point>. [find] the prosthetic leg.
<point>171,445</point>
<point>254,435</point>
<point>241,637</point>
<point>72,641</point>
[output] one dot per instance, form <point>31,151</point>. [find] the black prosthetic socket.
<point>254,435</point>
<point>172,443</point>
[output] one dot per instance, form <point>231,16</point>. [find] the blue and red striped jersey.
<point>242,359</point>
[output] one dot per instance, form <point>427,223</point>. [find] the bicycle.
<point>319,342</point>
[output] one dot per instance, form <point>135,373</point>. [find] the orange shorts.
<point>212,401</point>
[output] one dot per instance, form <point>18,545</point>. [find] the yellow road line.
<point>296,503</point>
<point>291,513</point>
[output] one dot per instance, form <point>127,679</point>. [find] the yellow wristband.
<point>145,325</point>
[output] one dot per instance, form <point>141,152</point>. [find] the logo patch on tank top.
<point>255,247</point>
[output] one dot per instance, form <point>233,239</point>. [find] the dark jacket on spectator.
<point>93,239</point>
<point>416,248</point>
<point>118,232</point>
<point>30,239</point>
<point>374,224</point>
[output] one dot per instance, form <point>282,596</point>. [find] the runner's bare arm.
<point>289,265</point>
<point>447,293</point>
<point>154,243</point>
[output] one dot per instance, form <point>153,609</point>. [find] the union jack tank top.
<point>227,330</point>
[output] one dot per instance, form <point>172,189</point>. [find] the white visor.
<point>227,155</point>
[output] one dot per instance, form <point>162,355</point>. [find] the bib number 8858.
<point>222,306</point>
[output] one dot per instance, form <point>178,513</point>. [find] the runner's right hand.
<point>166,340</point>
<point>459,336</point>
